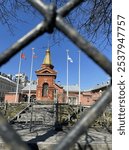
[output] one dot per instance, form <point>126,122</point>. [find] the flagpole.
<point>31,69</point>
<point>19,70</point>
<point>79,74</point>
<point>67,78</point>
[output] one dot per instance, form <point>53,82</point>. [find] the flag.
<point>34,55</point>
<point>23,56</point>
<point>70,59</point>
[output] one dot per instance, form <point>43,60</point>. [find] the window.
<point>45,89</point>
<point>72,100</point>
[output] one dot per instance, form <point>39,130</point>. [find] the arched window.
<point>45,89</point>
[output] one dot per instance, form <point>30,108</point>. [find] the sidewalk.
<point>46,138</point>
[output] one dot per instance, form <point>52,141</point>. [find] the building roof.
<point>71,88</point>
<point>99,86</point>
<point>33,87</point>
<point>7,79</point>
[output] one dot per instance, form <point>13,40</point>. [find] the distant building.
<point>46,90</point>
<point>23,79</point>
<point>6,85</point>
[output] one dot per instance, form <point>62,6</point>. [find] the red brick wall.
<point>10,98</point>
<point>86,100</point>
<point>41,81</point>
<point>60,93</point>
<point>89,98</point>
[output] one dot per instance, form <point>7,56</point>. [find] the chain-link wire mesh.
<point>54,18</point>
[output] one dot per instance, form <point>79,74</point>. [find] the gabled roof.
<point>59,86</point>
<point>71,88</point>
<point>33,87</point>
<point>46,71</point>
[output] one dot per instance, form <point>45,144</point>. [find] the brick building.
<point>46,79</point>
<point>46,90</point>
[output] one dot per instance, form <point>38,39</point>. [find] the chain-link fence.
<point>54,18</point>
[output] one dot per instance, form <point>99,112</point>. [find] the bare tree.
<point>9,12</point>
<point>91,18</point>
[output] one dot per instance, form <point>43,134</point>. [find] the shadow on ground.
<point>41,138</point>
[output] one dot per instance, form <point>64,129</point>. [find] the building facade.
<point>6,85</point>
<point>23,79</point>
<point>46,76</point>
<point>47,90</point>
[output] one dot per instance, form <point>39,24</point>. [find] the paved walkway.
<point>44,138</point>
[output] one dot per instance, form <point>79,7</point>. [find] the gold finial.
<point>47,59</point>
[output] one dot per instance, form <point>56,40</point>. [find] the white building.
<point>23,79</point>
<point>6,85</point>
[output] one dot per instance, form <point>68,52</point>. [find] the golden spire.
<point>47,59</point>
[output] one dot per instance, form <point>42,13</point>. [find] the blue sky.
<point>91,74</point>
